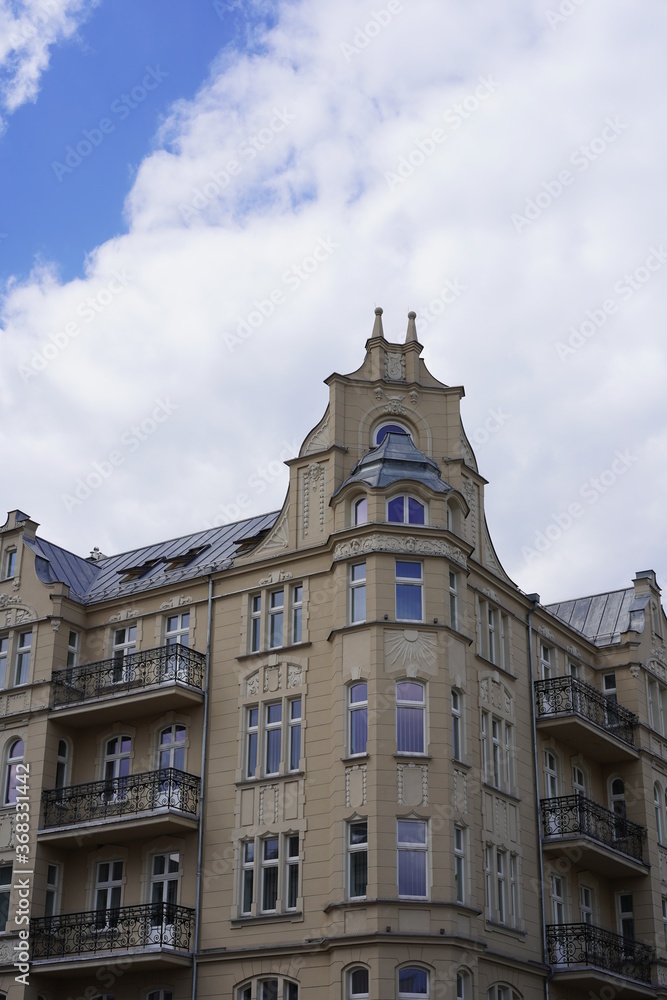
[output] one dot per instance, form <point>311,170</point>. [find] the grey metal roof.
<point>603,617</point>
<point>395,459</point>
<point>98,580</point>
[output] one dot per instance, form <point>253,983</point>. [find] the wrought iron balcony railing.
<point>150,667</point>
<point>123,928</point>
<point>119,797</point>
<point>572,815</point>
<point>585,944</point>
<point>559,696</point>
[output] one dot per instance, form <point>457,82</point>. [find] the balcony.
<point>168,677</point>
<point>589,955</point>
<point>577,714</point>
<point>157,802</point>
<point>154,935</point>
<point>593,836</point>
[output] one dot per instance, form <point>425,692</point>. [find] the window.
<point>273,716</point>
<point>657,706</point>
<point>385,429</point>
<point>164,888</point>
<point>117,759</point>
<point>172,748</point>
<point>578,780</point>
<point>4,649</point>
<point>358,718</point>
<point>410,717</point>
<point>609,691</point>
<point>501,885</point>
<point>294,733</point>
<point>248,863</point>
<point>664,919</point>
<point>494,634</point>
<point>124,645</point>
<point>268,989</point>
<point>107,893</point>
<point>23,657</point>
<point>72,648</point>
<point>586,904</point>
<point>618,808</point>
<point>255,622</point>
<point>278,876</point>
<point>5,889</point>
<point>270,858</point>
<point>276,608</point>
<point>626,919</point>
<point>412,983</point>
<point>159,995</point>
<point>177,629</point>
<point>453,600</point>
<point>252,737</point>
<point>497,752</point>
<point>10,564</point>
<point>297,613</point>
<point>357,592</point>
<point>357,984</point>
<point>412,847</point>
<point>545,661</point>
<point>460,864</point>
<point>292,873</point>
<point>360,511</point>
<point>14,761</point>
<point>657,805</point>
<point>409,591</point>
<point>61,764</point>
<point>502,993</point>
<point>557,899</point>
<point>52,889</point>
<point>550,774</point>
<point>463,986</point>
<point>457,725</point>
<point>406,510</point>
<point>357,859</point>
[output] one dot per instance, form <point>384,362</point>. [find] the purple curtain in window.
<point>410,730</point>
<point>411,873</point>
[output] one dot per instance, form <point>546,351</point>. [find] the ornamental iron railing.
<point>122,928</point>
<point>585,944</point>
<point>115,798</point>
<point>559,696</point>
<point>149,668</point>
<point>571,815</point>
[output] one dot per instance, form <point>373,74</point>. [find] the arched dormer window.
<point>384,429</point>
<point>406,510</point>
<point>360,511</point>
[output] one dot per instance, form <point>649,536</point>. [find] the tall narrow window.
<point>578,780</point>
<point>358,592</point>
<point>412,858</point>
<point>358,717</point>
<point>5,890</point>
<point>294,734</point>
<point>61,764</point>
<point>297,612</point>
<point>248,868</point>
<point>252,736</point>
<point>177,630</point>
<point>410,717</point>
<point>360,511</point>
<point>117,767</point>
<point>664,919</point>
<point>550,774</point>
<point>618,808</point>
<point>164,888</point>
<point>609,691</point>
<point>10,564</point>
<point>545,661</point>
<point>586,904</point>
<point>269,874</point>
<point>276,605</point>
<point>457,726</point>
<point>488,881</point>
<point>657,805</point>
<point>23,657</point>
<point>107,893</point>
<point>172,747</point>
<point>52,888</point>
<point>557,899</point>
<point>357,849</point>
<point>459,864</point>
<point>357,984</point>
<point>626,917</point>
<point>509,755</point>
<point>409,591</point>
<point>4,649</point>
<point>292,872</point>
<point>14,759</point>
<point>273,737</point>
<point>72,649</point>
<point>453,600</point>
<point>485,745</point>
<point>495,751</point>
<point>124,645</point>
<point>255,622</point>
<point>501,886</point>
<point>513,898</point>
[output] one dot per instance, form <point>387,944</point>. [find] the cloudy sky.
<point>166,168</point>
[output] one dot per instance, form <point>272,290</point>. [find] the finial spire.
<point>411,335</point>
<point>377,325</point>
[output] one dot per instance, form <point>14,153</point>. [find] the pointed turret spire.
<point>411,335</point>
<point>377,325</point>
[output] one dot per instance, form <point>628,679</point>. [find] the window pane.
<point>409,570</point>
<point>412,873</point>
<point>358,730</point>
<point>415,511</point>
<point>358,609</point>
<point>413,981</point>
<point>361,511</point>
<point>408,602</point>
<point>410,691</point>
<point>410,730</point>
<point>358,873</point>
<point>359,982</point>
<point>269,990</point>
<point>411,832</point>
<point>395,510</point>
<point>273,751</point>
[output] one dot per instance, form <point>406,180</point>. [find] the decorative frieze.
<point>14,612</point>
<point>400,544</point>
<point>176,602</point>
<point>123,616</point>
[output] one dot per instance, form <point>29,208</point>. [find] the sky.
<point>167,168</point>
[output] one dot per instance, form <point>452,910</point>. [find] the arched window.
<point>274,988</point>
<point>410,717</point>
<point>385,429</point>
<point>406,510</point>
<point>360,511</point>
<point>14,758</point>
<point>357,984</point>
<point>463,985</point>
<point>412,982</point>
<point>657,804</point>
<point>501,992</point>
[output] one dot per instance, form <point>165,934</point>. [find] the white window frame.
<point>410,581</point>
<point>413,847</point>
<point>357,585</point>
<point>411,705</point>
<point>9,564</point>
<point>453,600</point>
<point>457,724</point>
<point>460,873</point>
<point>296,613</point>
<point>22,659</point>
<point>361,847</point>
<point>352,708</point>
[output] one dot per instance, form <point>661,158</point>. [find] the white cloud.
<point>207,245</point>
<point>28,30</point>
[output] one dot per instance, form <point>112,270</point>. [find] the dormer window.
<point>10,564</point>
<point>360,511</point>
<point>385,429</point>
<point>406,510</point>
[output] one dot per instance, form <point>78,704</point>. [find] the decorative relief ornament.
<point>56,623</point>
<point>635,670</point>
<point>394,405</point>
<point>124,615</point>
<point>399,543</point>
<point>279,537</point>
<point>394,367</point>
<point>175,602</point>
<point>278,577</point>
<point>546,632</point>
<point>252,684</point>
<point>273,679</point>
<point>319,440</point>
<point>414,397</point>
<point>411,651</point>
<point>378,393</point>
<point>15,612</point>
<point>294,675</point>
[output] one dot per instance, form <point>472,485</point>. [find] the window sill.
<point>462,763</point>
<point>407,755</point>
<point>274,650</point>
<point>268,779</point>
<point>501,791</point>
<point>357,758</point>
<point>496,926</point>
<point>265,918</point>
<point>496,666</point>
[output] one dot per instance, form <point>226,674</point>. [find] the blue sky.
<point>499,168</point>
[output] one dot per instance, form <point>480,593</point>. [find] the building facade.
<point>332,751</point>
